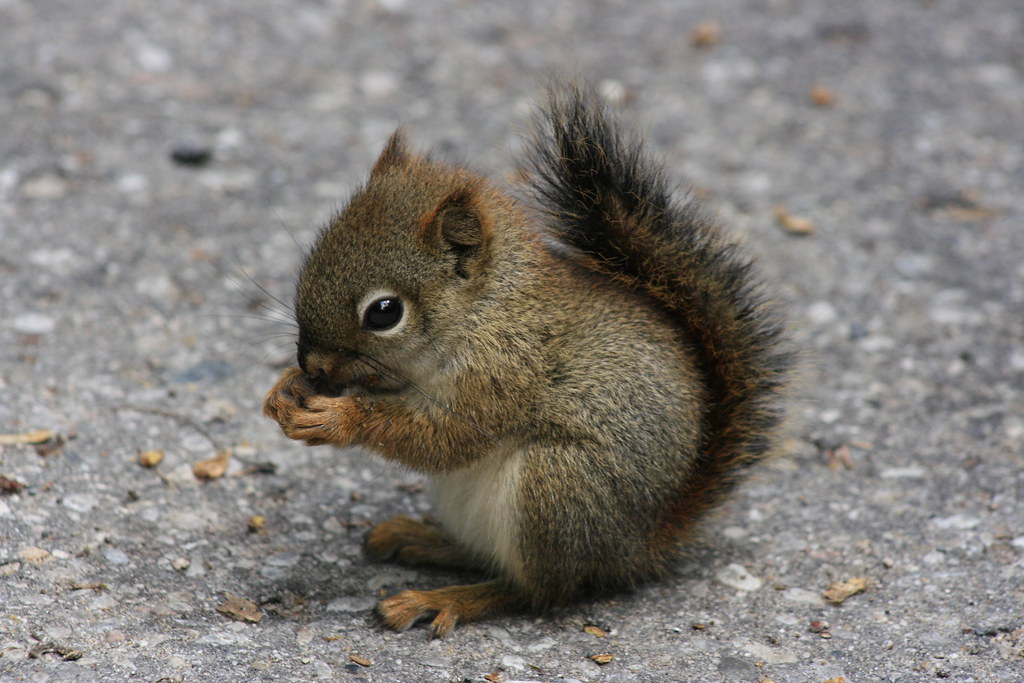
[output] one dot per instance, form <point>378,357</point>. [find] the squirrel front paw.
<point>307,416</point>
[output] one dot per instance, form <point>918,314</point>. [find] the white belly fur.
<point>477,505</point>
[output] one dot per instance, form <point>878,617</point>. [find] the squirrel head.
<point>395,273</point>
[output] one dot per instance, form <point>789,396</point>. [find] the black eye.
<point>383,314</point>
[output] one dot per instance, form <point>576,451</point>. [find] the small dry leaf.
<point>50,446</point>
<point>150,458</point>
<point>603,658</point>
<point>213,468</point>
<point>971,215</point>
<point>706,34</point>
<point>838,591</point>
<point>256,523</point>
<point>837,679</point>
<point>34,436</point>
<point>95,587</point>
<point>240,609</point>
<point>595,631</point>
<point>9,486</point>
<point>839,458</point>
<point>331,639</point>
<point>821,96</point>
<point>68,654</point>
<point>794,225</point>
<point>493,677</point>
<point>361,661</point>
<point>34,555</point>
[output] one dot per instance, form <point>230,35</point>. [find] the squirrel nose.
<point>332,366</point>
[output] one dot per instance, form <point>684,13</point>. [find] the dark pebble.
<point>191,155</point>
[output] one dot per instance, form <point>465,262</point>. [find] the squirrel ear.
<point>395,153</point>
<point>462,226</point>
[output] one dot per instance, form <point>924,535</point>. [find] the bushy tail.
<point>612,204</point>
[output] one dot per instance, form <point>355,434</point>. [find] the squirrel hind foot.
<point>407,541</point>
<point>450,606</point>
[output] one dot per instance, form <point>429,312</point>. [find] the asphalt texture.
<point>163,166</point>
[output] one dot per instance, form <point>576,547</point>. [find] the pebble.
<point>34,323</point>
<point>229,138</point>
<point>351,604</point>
<point>959,522</point>
<point>224,639</point>
<point>802,596</point>
<point>283,559</point>
<point>157,286</point>
<point>541,645</point>
<point>304,635</point>
<point>191,155</point>
<point>613,91</point>
<point>821,313</point>
<point>8,180</point>
<point>45,187</point>
<point>153,58</point>
<point>379,83</point>
<point>513,662</point>
<point>115,556</point>
<point>103,602</point>
<point>391,577</point>
<point>132,183</point>
<point>771,655</point>
<point>58,259</point>
<point>903,473</point>
<point>392,5</point>
<point>736,576</point>
<point>734,533</point>
<point>80,502</point>
<point>913,265</point>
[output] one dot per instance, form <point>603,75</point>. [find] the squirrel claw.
<point>401,611</point>
<point>305,416</point>
<point>288,393</point>
<point>448,605</point>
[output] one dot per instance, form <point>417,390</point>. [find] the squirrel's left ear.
<point>395,153</point>
<point>461,225</point>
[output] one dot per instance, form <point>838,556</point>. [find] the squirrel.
<point>583,375</point>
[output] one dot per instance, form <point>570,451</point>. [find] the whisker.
<point>282,307</point>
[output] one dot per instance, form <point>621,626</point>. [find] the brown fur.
<point>583,390</point>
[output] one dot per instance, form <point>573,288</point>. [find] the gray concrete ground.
<point>133,319</point>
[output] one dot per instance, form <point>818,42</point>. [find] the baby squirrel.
<point>582,382</point>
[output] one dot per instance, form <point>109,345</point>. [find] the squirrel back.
<point>605,199</point>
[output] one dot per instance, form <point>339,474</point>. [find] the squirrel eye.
<point>383,314</point>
